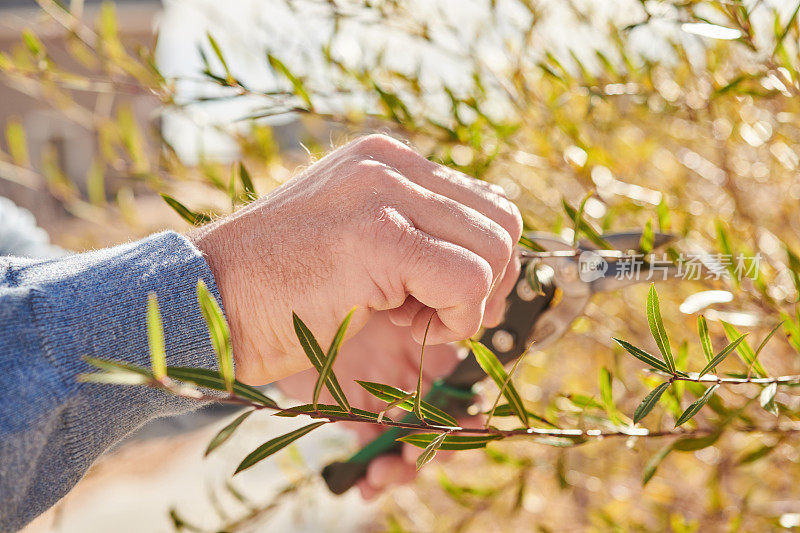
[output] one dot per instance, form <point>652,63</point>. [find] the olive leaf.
<point>705,339</point>
<point>451,442</point>
<point>225,433</point>
<point>274,445</point>
<point>211,379</point>
<point>721,356</point>
<point>155,338</point>
<point>317,358</point>
<point>746,353</point>
<point>695,407</point>
<point>649,402</point>
<point>657,327</point>
<point>643,356</point>
<point>219,332</point>
<point>330,358</point>
<point>430,451</point>
<point>387,393</point>
<point>247,184</point>
<point>418,394</point>
<point>193,218</point>
<point>494,369</point>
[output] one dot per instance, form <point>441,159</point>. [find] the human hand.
<point>375,226</point>
<point>393,358</point>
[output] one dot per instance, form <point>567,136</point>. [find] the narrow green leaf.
<point>494,369</point>
<point>584,227</point>
<point>788,26</point>
<point>247,183</point>
<point>607,397</point>
<point>746,353</point>
<point>32,42</point>
<point>297,83</point>
<point>530,244</point>
<point>721,356</point>
<point>17,143</point>
<point>328,410</point>
<point>330,358</point>
<point>692,444</point>
<point>210,379</point>
<point>218,331</point>
<point>755,455</point>
<point>652,465</point>
<point>761,347</point>
<point>387,393</point>
<point>648,238</point>
<point>155,338</point>
<point>662,212</point>
<point>418,394</point>
<point>533,278</point>
<point>657,327</point>
<point>430,451</point>
<point>195,219</point>
<point>506,410</point>
<point>274,445</point>
<point>218,52</point>
<point>578,218</point>
<point>317,358</point>
<point>767,398</point>
<point>705,339</point>
<point>695,407</point>
<point>451,442</point>
<point>643,356</point>
<point>226,432</point>
<point>649,402</point>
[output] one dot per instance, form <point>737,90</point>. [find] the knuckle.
<point>377,143</point>
<point>478,280</point>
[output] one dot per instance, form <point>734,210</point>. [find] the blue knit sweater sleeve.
<point>52,314</point>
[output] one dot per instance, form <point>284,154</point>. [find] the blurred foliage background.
<point>683,113</point>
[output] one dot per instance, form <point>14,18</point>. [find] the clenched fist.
<point>372,225</point>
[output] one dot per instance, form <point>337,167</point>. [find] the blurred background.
<point>683,115</point>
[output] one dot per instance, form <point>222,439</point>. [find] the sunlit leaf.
<point>218,52</point>
<point>451,442</point>
<point>530,244</point>
<point>430,451</point>
<point>652,465</point>
<point>767,398</point>
<point>761,347</point>
<point>210,379</point>
<point>155,338</point>
<point>247,184</point>
<point>297,83</point>
<point>721,356</point>
<point>607,397</point>
<point>746,353</point>
<point>329,410</point>
<point>494,369</point>
<point>314,353</point>
<point>648,238</point>
<point>643,356</point>
<point>17,144</point>
<point>387,393</point>
<point>705,339</point>
<point>226,432</point>
<point>584,227</point>
<point>196,219</point>
<point>649,402</point>
<point>330,358</point>
<point>695,407</point>
<point>532,277</point>
<point>692,444</point>
<point>657,327</point>
<point>218,331</point>
<point>274,445</point>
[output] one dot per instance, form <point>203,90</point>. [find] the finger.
<point>496,305</point>
<point>454,222</point>
<point>488,199</point>
<point>441,275</point>
<point>403,315</point>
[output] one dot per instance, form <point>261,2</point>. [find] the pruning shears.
<point>567,276</point>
